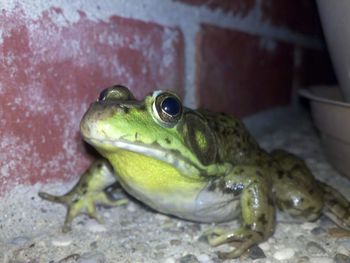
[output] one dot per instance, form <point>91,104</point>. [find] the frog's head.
<point>158,126</point>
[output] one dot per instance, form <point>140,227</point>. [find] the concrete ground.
<point>30,228</point>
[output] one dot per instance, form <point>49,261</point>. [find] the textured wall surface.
<point>55,57</point>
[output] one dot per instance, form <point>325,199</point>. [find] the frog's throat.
<point>182,164</point>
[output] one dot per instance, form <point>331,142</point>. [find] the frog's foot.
<point>81,204</point>
<point>244,237</point>
<point>97,186</point>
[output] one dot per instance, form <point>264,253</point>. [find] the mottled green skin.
<point>200,166</point>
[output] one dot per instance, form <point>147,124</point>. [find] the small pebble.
<point>318,231</point>
<point>301,239</point>
<point>265,246</point>
<point>95,227</point>
<point>169,260</point>
<point>131,207</point>
<point>256,252</point>
<point>314,248</point>
<point>62,241</point>
<point>343,250</point>
<point>303,260</point>
<point>20,240</point>
<point>189,258</point>
<point>93,244</point>
<point>161,217</point>
<point>321,260</point>
<point>175,242</point>
<point>341,258</point>
<point>285,253</point>
<point>203,258</point>
<point>92,257</point>
<point>344,243</point>
<point>309,225</point>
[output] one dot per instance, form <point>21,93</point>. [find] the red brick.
<point>241,73</point>
<point>300,16</point>
<point>237,7</point>
<point>49,73</point>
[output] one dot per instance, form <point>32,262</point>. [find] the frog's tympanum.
<point>196,165</point>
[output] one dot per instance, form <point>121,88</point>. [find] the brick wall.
<point>235,56</point>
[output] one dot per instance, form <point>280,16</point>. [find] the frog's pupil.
<point>171,106</point>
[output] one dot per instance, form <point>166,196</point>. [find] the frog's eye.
<point>117,92</point>
<point>169,108</point>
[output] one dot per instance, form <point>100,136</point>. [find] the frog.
<point>195,165</point>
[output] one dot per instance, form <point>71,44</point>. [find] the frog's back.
<point>234,142</point>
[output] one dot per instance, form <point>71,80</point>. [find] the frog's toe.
<point>53,198</point>
<point>239,250</point>
<point>213,236</point>
<point>242,239</point>
<point>77,207</point>
<point>82,204</point>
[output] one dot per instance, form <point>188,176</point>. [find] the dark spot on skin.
<point>280,174</point>
<point>288,204</point>
<point>249,203</point>
<point>248,226</point>
<point>312,208</point>
<point>270,201</point>
<point>260,233</point>
<point>289,176</point>
<point>216,127</point>
<point>308,211</point>
<point>239,171</point>
<point>76,200</point>
<point>125,109</point>
<point>136,135</point>
<point>262,219</point>
<point>142,108</point>
<point>84,185</point>
<point>235,189</point>
<point>296,167</point>
<point>167,140</point>
<point>84,191</point>
<point>258,173</point>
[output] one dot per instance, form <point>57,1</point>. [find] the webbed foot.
<point>91,190</point>
<point>242,238</point>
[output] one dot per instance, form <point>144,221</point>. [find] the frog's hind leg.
<point>91,189</point>
<point>252,187</point>
<point>336,206</point>
<point>296,190</point>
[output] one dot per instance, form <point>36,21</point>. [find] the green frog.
<point>196,165</point>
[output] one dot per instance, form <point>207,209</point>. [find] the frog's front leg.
<point>91,189</point>
<point>258,213</point>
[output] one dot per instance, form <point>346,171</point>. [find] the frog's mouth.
<point>174,158</point>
